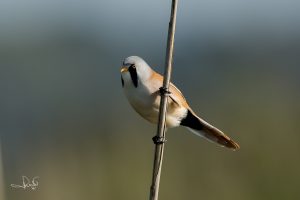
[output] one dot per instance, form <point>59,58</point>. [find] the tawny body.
<point>141,86</point>
<point>145,100</point>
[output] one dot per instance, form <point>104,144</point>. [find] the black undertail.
<point>192,122</point>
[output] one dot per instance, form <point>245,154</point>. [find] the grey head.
<point>135,69</point>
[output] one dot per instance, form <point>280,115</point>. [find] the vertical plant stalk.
<point>161,128</point>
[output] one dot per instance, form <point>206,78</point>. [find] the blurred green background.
<point>64,118</point>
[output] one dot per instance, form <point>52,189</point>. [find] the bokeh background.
<point>64,118</point>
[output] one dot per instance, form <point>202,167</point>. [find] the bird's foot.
<point>164,91</point>
<point>159,140</point>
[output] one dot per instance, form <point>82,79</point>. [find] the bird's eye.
<point>133,66</point>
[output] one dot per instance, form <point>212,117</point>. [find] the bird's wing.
<point>176,96</point>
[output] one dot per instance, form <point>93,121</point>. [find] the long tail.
<point>201,128</point>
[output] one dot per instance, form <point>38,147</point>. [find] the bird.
<point>141,85</point>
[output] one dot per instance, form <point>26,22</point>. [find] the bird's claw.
<point>158,140</point>
<point>164,91</point>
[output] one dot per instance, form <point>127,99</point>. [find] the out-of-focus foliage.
<point>64,118</point>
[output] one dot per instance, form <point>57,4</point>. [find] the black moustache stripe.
<point>133,75</point>
<point>122,81</point>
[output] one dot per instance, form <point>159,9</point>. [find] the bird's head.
<point>135,69</point>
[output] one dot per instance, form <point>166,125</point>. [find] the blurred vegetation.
<point>65,119</point>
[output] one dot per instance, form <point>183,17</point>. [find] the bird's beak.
<point>124,69</point>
